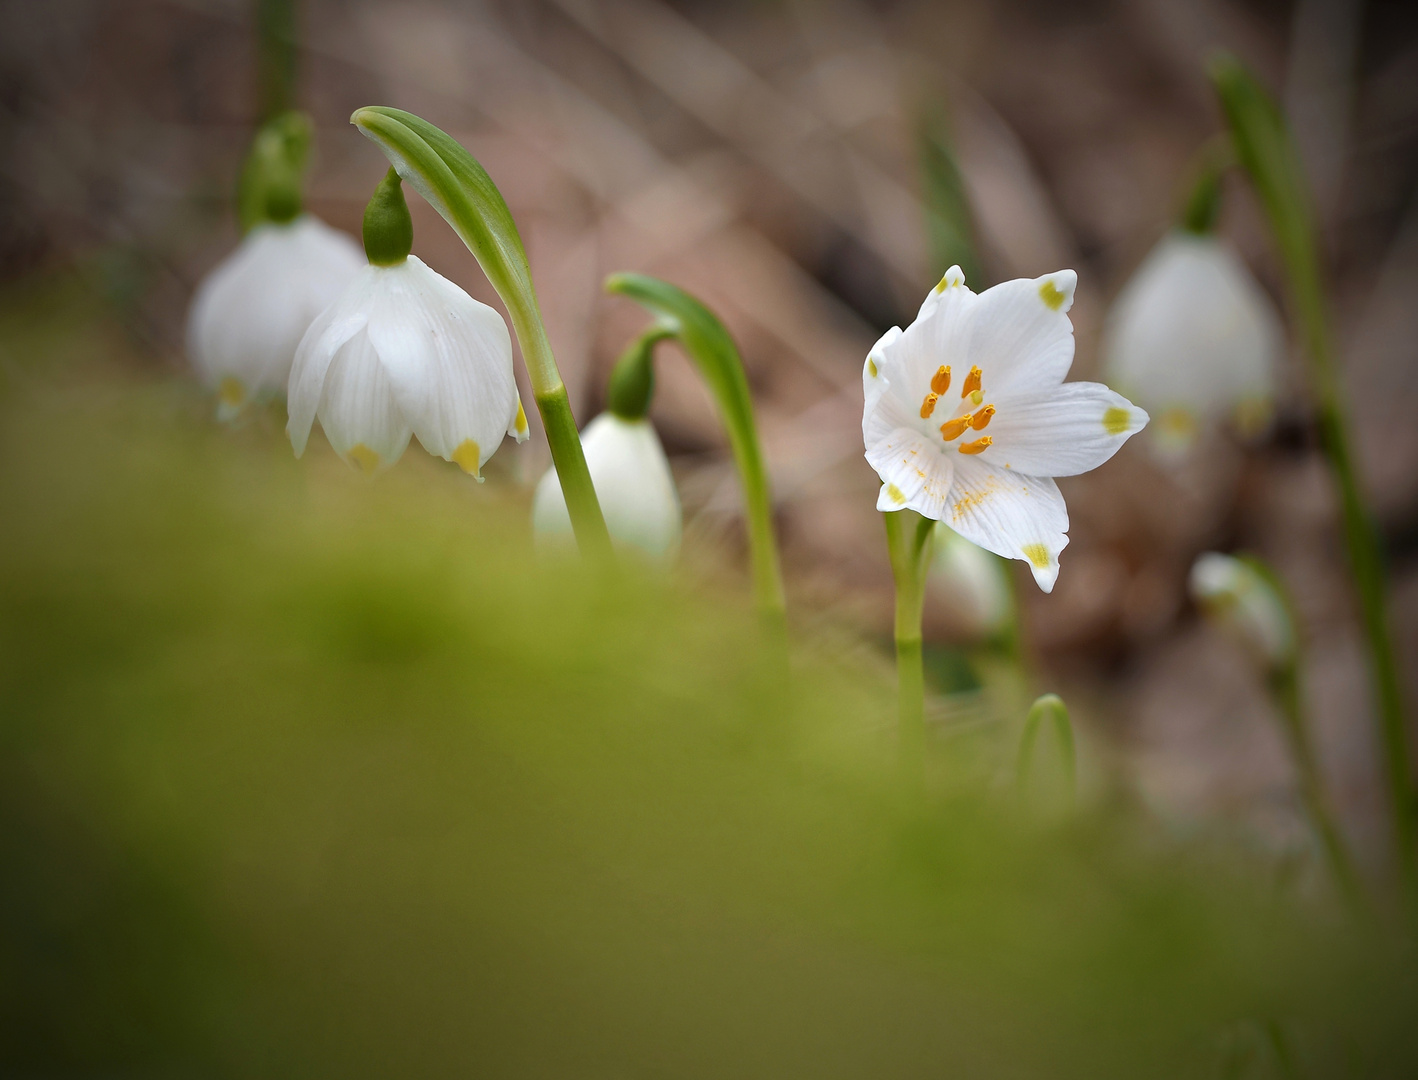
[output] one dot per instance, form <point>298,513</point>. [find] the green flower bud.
<point>388,228</point>
<point>632,382</point>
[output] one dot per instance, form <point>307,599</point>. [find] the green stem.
<point>1265,149</point>
<point>909,549</point>
<point>1052,707</point>
<point>459,188</point>
<point>716,357</point>
<point>276,55</point>
<point>1285,688</point>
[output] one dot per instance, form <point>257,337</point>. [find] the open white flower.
<point>405,351</point>
<point>1193,338</point>
<point>633,482</point>
<point>967,416</point>
<point>974,581</point>
<point>1238,595</point>
<point>251,311</point>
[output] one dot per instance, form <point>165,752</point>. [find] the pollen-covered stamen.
<point>940,381</point>
<point>928,406</point>
<point>976,447</point>
<point>981,418</point>
<point>953,429</point>
<point>972,382</point>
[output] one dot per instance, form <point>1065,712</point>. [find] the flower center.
<point>972,393</point>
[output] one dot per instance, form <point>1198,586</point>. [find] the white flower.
<point>974,581</point>
<point>251,311</point>
<point>1238,595</point>
<point>405,351</point>
<point>1193,338</point>
<point>968,418</point>
<point>633,482</point>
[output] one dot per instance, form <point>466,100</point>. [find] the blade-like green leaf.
<point>717,359</point>
<point>949,220</point>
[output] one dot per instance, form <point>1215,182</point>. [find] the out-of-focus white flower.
<point>633,482</point>
<point>1193,339</point>
<point>405,351</point>
<point>251,311</point>
<point>967,418</point>
<point>975,582</point>
<point>1239,596</point>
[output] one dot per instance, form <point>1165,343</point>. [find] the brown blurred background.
<point>765,155</point>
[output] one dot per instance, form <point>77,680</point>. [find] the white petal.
<point>940,336</point>
<point>325,337</point>
<point>1063,432</point>
<point>449,360</point>
<point>250,313</point>
<point>518,428</point>
<point>954,278</point>
<point>1021,336</point>
<point>633,482</point>
<point>873,381</point>
<point>1192,335</point>
<point>915,474</point>
<point>358,410</point>
<point>1235,593</point>
<point>1013,515</point>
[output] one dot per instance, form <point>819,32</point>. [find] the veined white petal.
<point>915,475</point>
<point>633,482</point>
<point>873,381</point>
<point>1013,515</point>
<point>941,336</point>
<point>358,410</point>
<point>1021,334</point>
<point>449,361</point>
<point>1068,430</point>
<point>324,338</point>
<point>1192,338</point>
<point>250,313</point>
<point>954,278</point>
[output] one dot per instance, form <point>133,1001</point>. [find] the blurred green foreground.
<point>305,775</point>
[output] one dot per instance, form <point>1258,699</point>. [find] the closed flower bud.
<point>633,483</point>
<point>974,583</point>
<point>251,311</point>
<point>1194,340</point>
<point>1238,594</point>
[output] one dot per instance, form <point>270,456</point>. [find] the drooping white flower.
<point>967,418</point>
<point>1239,596</point>
<point>974,581</point>
<point>1193,338</point>
<point>405,351</point>
<point>633,482</point>
<point>251,311</point>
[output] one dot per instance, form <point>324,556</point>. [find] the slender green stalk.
<point>908,541</point>
<point>950,223</point>
<point>1264,148</point>
<point>276,39</point>
<point>453,183</point>
<point>1048,707</point>
<point>714,354</point>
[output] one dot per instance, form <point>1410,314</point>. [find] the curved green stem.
<point>714,354</point>
<point>1050,707</point>
<point>908,541</point>
<point>1265,149</point>
<point>453,183</point>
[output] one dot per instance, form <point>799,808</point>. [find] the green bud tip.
<point>632,382</point>
<point>388,228</point>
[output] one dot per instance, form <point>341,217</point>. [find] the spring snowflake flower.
<point>406,352</point>
<point>251,311</point>
<point>1237,594</point>
<point>974,581</point>
<point>1193,338</point>
<point>968,419</point>
<point>633,482</point>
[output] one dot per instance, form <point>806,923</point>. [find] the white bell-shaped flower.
<point>1237,594</point>
<point>974,581</point>
<point>251,311</point>
<point>1193,338</point>
<point>967,418</point>
<point>633,482</point>
<point>405,351</point>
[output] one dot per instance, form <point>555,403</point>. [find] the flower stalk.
<point>713,353</point>
<point>1267,152</point>
<point>908,542</point>
<point>459,188</point>
<point>1048,707</point>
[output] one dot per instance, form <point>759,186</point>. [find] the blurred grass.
<point>306,775</point>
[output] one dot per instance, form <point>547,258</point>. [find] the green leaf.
<point>1049,707</point>
<point>949,219</point>
<point>714,354</point>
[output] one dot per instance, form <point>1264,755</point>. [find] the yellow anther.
<point>928,406</point>
<point>953,429</point>
<point>981,418</point>
<point>940,381</point>
<point>468,456</point>
<point>976,447</point>
<point>972,382</point>
<point>363,457</point>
